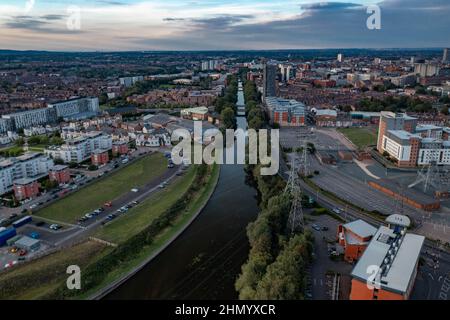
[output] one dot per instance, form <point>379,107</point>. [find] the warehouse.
<point>28,244</point>
<point>410,196</point>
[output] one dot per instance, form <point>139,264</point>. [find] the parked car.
<point>315,227</point>
<point>135,190</point>
<point>108,204</point>
<point>23,252</point>
<point>55,226</point>
<point>39,223</point>
<point>13,250</point>
<point>324,228</point>
<point>88,215</point>
<point>35,235</point>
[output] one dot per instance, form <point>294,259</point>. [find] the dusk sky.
<point>221,24</point>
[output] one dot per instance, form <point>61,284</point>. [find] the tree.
<point>92,167</point>
<point>73,165</point>
<point>19,142</point>
<point>445,110</point>
<point>228,118</point>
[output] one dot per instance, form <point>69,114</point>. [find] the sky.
<point>128,25</point>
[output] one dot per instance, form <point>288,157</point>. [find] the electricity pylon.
<point>295,220</point>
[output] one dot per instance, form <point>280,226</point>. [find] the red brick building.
<point>119,148</point>
<point>100,157</point>
<point>25,188</point>
<point>354,238</point>
<point>60,174</point>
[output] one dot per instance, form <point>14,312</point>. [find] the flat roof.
<point>404,135</point>
<point>409,193</point>
<point>395,254</point>
<point>399,219</point>
<point>361,228</point>
<point>58,167</point>
<point>26,241</point>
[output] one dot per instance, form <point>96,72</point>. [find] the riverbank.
<point>46,277</point>
<point>164,240</point>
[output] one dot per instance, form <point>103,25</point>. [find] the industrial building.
<point>409,196</point>
<point>388,267</point>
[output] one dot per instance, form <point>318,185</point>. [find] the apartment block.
<point>76,108</point>
<point>81,148</point>
<point>287,113</point>
<point>30,165</point>
<point>60,174</point>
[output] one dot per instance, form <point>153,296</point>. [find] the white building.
<point>30,118</point>
<point>75,107</point>
<point>129,81</point>
<point>30,165</point>
<point>80,148</point>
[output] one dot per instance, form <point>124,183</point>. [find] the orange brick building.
<point>119,148</point>
<point>60,174</point>
<point>100,157</point>
<point>388,267</point>
<point>25,188</point>
<point>354,238</point>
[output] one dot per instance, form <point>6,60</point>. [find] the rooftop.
<point>396,256</point>
<point>361,228</point>
<point>399,219</point>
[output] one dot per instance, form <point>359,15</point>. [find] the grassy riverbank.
<point>95,195</point>
<point>143,233</point>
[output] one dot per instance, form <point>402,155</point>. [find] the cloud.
<point>163,25</point>
<point>329,5</point>
<point>41,24</point>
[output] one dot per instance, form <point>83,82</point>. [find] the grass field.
<point>361,137</point>
<point>38,278</point>
<point>95,195</point>
<point>142,215</point>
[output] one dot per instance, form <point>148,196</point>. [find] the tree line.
<point>276,264</point>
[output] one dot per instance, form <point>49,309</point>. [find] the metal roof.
<point>397,255</point>
<point>361,228</point>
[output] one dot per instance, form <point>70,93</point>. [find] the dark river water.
<point>204,261</point>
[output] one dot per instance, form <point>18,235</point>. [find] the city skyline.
<point>221,25</point>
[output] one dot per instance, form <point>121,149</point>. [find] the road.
<point>433,287</point>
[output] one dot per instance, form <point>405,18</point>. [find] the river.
<point>205,260</point>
